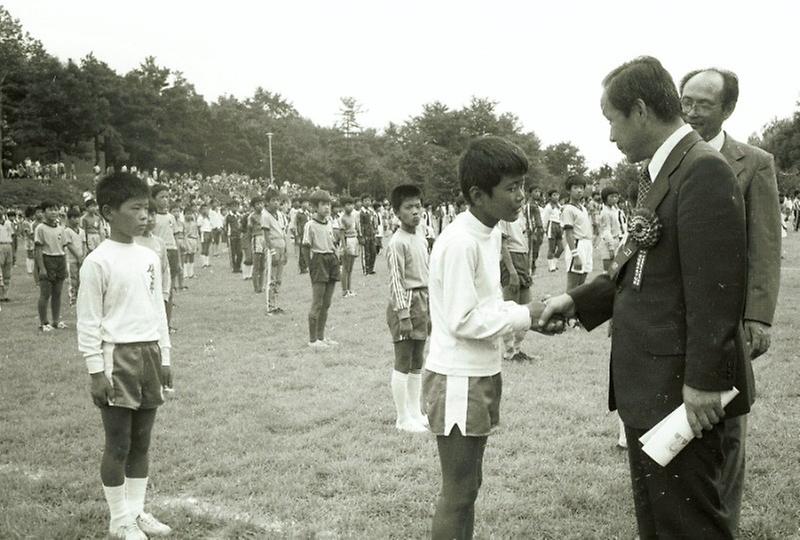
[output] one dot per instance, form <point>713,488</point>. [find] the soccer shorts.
<point>419,317</point>
<point>56,266</point>
<point>520,262</point>
<point>585,252</point>
<point>471,403</point>
<point>134,370</point>
<point>324,267</point>
<point>351,246</point>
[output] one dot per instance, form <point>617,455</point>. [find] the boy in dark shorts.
<point>407,313</point>
<point>461,382</point>
<point>123,335</point>
<point>323,268</point>
<point>51,264</point>
<point>515,278</point>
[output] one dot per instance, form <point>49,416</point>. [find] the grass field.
<point>265,439</point>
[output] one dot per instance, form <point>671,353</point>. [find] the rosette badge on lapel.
<point>645,230</point>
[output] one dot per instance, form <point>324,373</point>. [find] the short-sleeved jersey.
<point>276,229</point>
<point>347,224</point>
<point>52,239</point>
<point>165,229</point>
<point>75,241</point>
<point>319,236</point>
<point>6,232</point>
<point>514,234</point>
<point>577,218</point>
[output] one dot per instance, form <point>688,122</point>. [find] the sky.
<point>542,61</point>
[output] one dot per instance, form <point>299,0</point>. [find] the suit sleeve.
<point>763,244</point>
<point>712,246</point>
<point>594,301</point>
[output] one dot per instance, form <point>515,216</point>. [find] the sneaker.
<point>410,426</point>
<point>278,310</point>
<point>46,328</point>
<point>129,531</point>
<point>521,357</point>
<point>318,345</point>
<point>330,343</point>
<point>151,526</point>
<point>61,325</point>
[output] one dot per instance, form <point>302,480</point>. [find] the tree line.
<point>153,117</point>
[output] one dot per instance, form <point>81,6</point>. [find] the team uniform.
<point>166,227</point>
<point>6,255</point>
<point>613,228</point>
<point>349,230</point>
<point>324,272</point>
<point>192,232</point>
<point>576,217</point>
<point>407,257</point>
<point>204,223</point>
<point>93,229</point>
<point>516,241</point>
<point>75,240</point>
<point>276,231</point>
<point>157,246</point>
<point>551,219</point>
<point>255,225</point>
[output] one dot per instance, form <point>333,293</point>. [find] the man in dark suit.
<point>676,304</point>
<point>708,98</point>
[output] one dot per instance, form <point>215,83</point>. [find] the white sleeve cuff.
<point>95,363</point>
<point>165,356</point>
<point>520,316</point>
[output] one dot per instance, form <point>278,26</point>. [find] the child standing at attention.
<point>407,313</point>
<point>323,268</point>
<point>469,319</point>
<point>123,335</point>
<point>204,223</point>
<point>276,242</point>
<point>155,243</point>
<point>258,242</point>
<point>349,239</point>
<point>577,225</point>
<point>76,250</point>
<point>51,264</point>
<point>192,240</point>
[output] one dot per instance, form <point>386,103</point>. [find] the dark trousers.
<point>370,251</point>
<point>302,260</point>
<point>733,470</point>
<point>236,253</point>
<point>684,499</point>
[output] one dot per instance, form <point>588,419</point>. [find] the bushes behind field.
<point>26,192</point>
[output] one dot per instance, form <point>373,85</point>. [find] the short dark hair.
<point>47,204</point>
<point>253,201</point>
<point>116,188</point>
<point>365,196</point>
<point>574,180</point>
<point>73,213</point>
<point>646,79</point>
<point>485,163</point>
<point>272,194</point>
<point>321,196</point>
<point>551,191</point>
<point>730,85</point>
<point>346,199</point>
<point>606,192</point>
<point>156,189</point>
<point>152,206</point>
<point>402,193</point>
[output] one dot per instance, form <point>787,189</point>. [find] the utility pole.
<point>271,176</point>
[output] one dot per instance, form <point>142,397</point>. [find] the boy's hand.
<point>513,282</point>
<point>101,390</point>
<point>577,264</point>
<point>561,306</point>
<point>43,273</point>
<point>405,328</point>
<point>166,376</point>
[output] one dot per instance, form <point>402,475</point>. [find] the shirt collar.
<point>717,142</point>
<point>474,224</point>
<point>663,152</point>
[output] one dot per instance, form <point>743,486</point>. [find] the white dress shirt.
<point>665,149</point>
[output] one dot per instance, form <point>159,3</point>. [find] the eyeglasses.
<point>702,107</point>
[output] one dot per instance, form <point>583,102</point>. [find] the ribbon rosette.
<point>645,230</point>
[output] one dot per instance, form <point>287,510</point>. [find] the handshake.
<point>550,316</point>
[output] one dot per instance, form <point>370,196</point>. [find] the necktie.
<point>645,183</point>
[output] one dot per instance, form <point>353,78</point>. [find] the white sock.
<point>248,271</point>
<point>400,395</point>
<point>135,489</point>
<point>117,505</point>
<point>29,265</point>
<point>414,389</point>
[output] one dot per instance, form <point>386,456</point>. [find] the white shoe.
<point>410,426</point>
<point>151,526</point>
<point>129,531</point>
<point>46,328</point>
<point>318,345</point>
<point>421,419</point>
<point>330,343</point>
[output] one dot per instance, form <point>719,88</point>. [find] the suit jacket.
<point>755,172</point>
<point>684,324</point>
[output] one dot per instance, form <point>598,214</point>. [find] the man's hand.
<point>405,328</point>
<point>561,306</point>
<point>757,336</point>
<point>555,324</point>
<point>166,376</point>
<point>101,390</point>
<point>513,282</point>
<point>43,273</point>
<point>703,409</point>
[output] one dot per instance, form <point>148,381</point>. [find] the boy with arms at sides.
<point>469,319</point>
<point>76,250</point>
<point>407,313</point>
<point>123,335</point>
<point>551,219</point>
<point>323,268</point>
<point>192,241</point>
<point>155,243</point>
<point>204,224</point>
<point>515,278</point>
<point>577,226</point>
<point>276,242</point>
<point>349,242</point>
<point>7,234</point>
<point>164,228</point>
<point>92,225</point>
<point>247,244</point>
<point>233,232</point>
<point>180,241</point>
<point>301,217</point>
<point>257,241</point>
<point>51,264</point>
<point>612,226</point>
<point>32,219</point>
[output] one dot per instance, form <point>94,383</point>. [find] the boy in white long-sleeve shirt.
<point>123,335</point>
<point>461,382</point>
<point>407,313</point>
